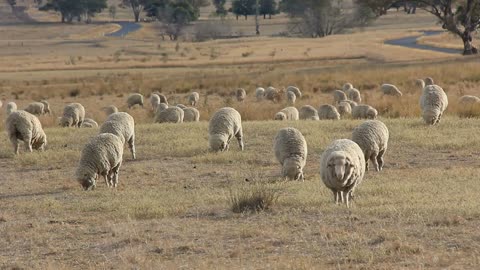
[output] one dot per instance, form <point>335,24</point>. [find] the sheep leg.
<point>28,142</point>
<point>239,136</point>
<point>106,176</point>
<point>380,159</point>
<point>336,196</point>
<point>347,195</point>
<point>131,145</point>
<point>15,145</point>
<point>373,158</point>
<point>115,171</point>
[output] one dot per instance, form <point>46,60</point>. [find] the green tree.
<point>243,8</point>
<point>75,9</point>
<point>112,11</point>
<point>268,7</point>
<point>137,7</point>
<point>220,7</point>
<point>174,15</point>
<point>12,4</point>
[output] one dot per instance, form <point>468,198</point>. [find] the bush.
<point>212,30</point>
<point>253,198</point>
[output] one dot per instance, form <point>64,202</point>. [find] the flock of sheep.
<point>342,164</point>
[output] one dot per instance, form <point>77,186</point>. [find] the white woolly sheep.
<point>291,114</point>
<point>351,102</point>
<point>101,156</point>
<point>271,94</point>
<point>363,111</point>
<point>420,83</point>
<point>154,101</point>
<point>428,81</point>
<point>135,99</point>
<point>181,106</point>
<point>469,100</point>
<point>260,93</point>
<point>23,126</point>
<point>191,115</point>
<point>339,95</point>
<point>122,125</point>
<point>225,124</point>
<point>193,99</point>
<point>354,95</point>
<point>240,94</point>
<point>36,108</point>
<point>169,115</point>
<point>280,116</point>
<point>328,112</point>
<point>372,137</point>
<point>295,90</point>
<point>110,109</point>
<point>344,108</point>
<point>89,123</point>
<point>290,150</point>
<point>46,108</point>
<point>163,98</point>
<point>346,87</point>
<point>11,107</point>
<point>390,90</point>
<point>1,104</point>
<point>73,115</point>
<point>291,97</point>
<point>433,103</point>
<point>342,168</point>
<point>308,112</point>
<point>163,106</point>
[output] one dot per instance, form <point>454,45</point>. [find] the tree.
<point>220,7</point>
<point>174,14</point>
<point>243,8</point>
<point>91,7</point>
<point>460,17</point>
<point>112,11</point>
<point>268,7</point>
<point>71,9</point>
<point>137,7</point>
<point>12,4</point>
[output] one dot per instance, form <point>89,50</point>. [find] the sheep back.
<point>73,115</point>
<point>363,111</point>
<point>290,149</point>
<point>191,115</point>
<point>134,99</point>
<point>308,112</point>
<point>23,126</point>
<point>223,126</point>
<point>328,112</point>
<point>433,103</point>
<point>170,115</point>
<point>372,137</point>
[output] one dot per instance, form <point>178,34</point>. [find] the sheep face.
<point>280,116</point>
<point>40,143</point>
<point>218,143</point>
<point>292,169</point>
<point>66,122</point>
<point>88,181</point>
<point>372,114</point>
<point>430,117</point>
<point>340,167</point>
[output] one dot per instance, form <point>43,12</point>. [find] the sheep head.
<point>340,166</point>
<point>292,169</point>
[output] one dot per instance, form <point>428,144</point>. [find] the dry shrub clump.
<point>253,198</point>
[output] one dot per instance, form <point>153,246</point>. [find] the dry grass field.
<point>173,206</point>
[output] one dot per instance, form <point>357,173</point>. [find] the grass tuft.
<point>254,198</point>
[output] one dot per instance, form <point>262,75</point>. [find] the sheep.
<point>294,90</point>
<point>1,104</point>
<point>259,93</point>
<point>11,107</point>
<point>46,108</point>
<point>154,101</point>
<point>135,99</point>
<point>290,150</point>
<point>433,103</point>
<point>73,115</point>
<point>351,102</point>
<point>329,112</point>
<point>344,108</point>
<point>191,115</point>
<point>122,125</point>
<point>342,168</point>
<point>240,94</point>
<point>110,110</point>
<point>288,113</point>
<point>101,156</point>
<point>428,81</point>
<point>89,123</point>
<point>469,100</point>
<point>372,137</point>
<point>420,83</point>
<point>170,115</point>
<point>21,125</point>
<point>271,94</point>
<point>163,98</point>
<point>181,106</point>
<point>193,99</point>
<point>163,106</point>
<point>346,87</point>
<point>223,126</point>
<point>308,112</point>
<point>339,95</point>
<point>291,97</point>
<point>363,111</point>
<point>36,108</point>
<point>354,95</point>
<point>390,90</point>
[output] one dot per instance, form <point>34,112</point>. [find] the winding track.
<point>412,42</point>
<point>127,28</point>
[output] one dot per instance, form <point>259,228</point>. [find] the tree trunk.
<point>264,16</point>
<point>237,17</point>
<point>246,17</point>
<point>137,15</point>
<point>63,17</point>
<point>468,48</point>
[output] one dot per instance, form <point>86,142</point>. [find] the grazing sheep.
<point>338,96</point>
<point>271,94</point>
<point>46,108</point>
<point>135,99</point>
<point>191,115</point>
<point>170,115</point>
<point>73,115</point>
<point>101,156</point>
<point>23,126</point>
<point>11,107</point>
<point>223,126</point>
<point>193,99</point>
<point>163,106</point>
<point>36,108</point>
<point>290,150</point>
<point>163,98</point>
<point>346,87</point>
<point>428,81</point>
<point>351,102</point>
<point>372,137</point>
<point>122,125</point>
<point>344,108</point>
<point>342,167</point>
<point>89,123</point>
<point>469,100</point>
<point>181,106</point>
<point>308,112</point>
<point>294,90</point>
<point>390,90</point>
<point>354,95</point>
<point>420,83</point>
<point>363,111</point>
<point>433,103</point>
<point>110,109</point>
<point>260,93</point>
<point>154,101</point>
<point>280,116</point>
<point>328,112</point>
<point>240,94</point>
<point>291,98</point>
<point>291,113</point>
